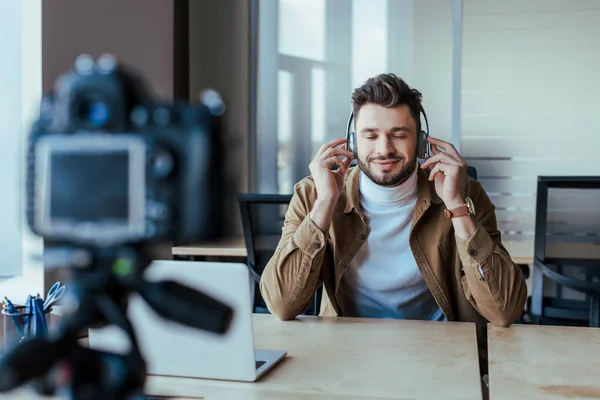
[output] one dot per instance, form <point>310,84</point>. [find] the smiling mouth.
<point>387,162</point>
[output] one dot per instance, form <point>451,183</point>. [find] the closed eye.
<point>399,132</point>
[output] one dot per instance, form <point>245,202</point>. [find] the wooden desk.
<point>349,358</point>
<point>543,362</point>
<point>232,247</point>
<point>521,252</point>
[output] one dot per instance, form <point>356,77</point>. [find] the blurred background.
<point>512,84</point>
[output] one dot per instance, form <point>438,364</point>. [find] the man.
<point>377,237</point>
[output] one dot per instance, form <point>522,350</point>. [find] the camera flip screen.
<point>90,188</point>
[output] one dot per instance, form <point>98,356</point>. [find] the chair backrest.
<point>472,172</point>
<point>567,218</point>
<point>566,247</point>
<point>262,216</point>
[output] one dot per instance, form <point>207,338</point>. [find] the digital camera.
<point>108,165</point>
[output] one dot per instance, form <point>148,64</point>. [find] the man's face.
<point>386,143</point>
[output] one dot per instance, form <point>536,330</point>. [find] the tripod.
<point>97,296</point>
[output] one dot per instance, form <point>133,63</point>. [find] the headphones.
<point>423,148</point>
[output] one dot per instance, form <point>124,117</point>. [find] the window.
<point>511,84</point>
<point>301,26</point>
<point>20,44</point>
<point>313,53</point>
<point>369,39</point>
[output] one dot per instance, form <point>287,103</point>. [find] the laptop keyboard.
<point>259,364</point>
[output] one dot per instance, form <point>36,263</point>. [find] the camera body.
<point>108,165</point>
<point>111,173</point>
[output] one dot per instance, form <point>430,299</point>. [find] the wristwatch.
<point>466,209</point>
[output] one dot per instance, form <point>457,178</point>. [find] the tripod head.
<point>97,296</point>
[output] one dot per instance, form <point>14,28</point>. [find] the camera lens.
<point>94,111</point>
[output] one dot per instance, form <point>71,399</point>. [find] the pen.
<point>39,320</point>
<point>13,310</point>
<point>28,315</point>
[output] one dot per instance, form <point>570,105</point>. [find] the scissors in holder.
<point>54,294</point>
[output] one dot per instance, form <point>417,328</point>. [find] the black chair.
<point>472,172</point>
<point>567,252</point>
<point>263,216</point>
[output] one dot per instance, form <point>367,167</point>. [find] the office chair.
<point>472,172</point>
<point>263,216</point>
<point>567,252</point>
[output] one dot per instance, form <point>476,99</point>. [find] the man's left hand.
<point>449,170</point>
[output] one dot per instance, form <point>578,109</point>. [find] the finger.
<point>446,169</point>
<point>330,162</point>
<point>338,151</point>
<point>335,151</point>
<point>345,147</point>
<point>456,157</point>
<point>435,149</point>
<point>348,162</point>
<point>344,167</point>
<point>447,147</point>
<point>431,165</point>
<point>440,157</point>
<point>434,171</point>
<point>328,145</point>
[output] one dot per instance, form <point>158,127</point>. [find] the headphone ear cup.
<point>352,143</point>
<point>422,145</point>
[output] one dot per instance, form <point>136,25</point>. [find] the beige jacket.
<point>307,257</point>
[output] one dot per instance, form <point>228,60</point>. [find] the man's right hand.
<point>329,183</point>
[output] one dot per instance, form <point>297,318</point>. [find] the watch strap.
<point>460,211</point>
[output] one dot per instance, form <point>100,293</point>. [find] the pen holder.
<point>12,334</point>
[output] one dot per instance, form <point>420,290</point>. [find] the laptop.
<point>175,350</point>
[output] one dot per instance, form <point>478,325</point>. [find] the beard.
<point>390,178</point>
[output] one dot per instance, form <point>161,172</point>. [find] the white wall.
<point>422,45</point>
<point>530,93</point>
<point>530,96</point>
<point>433,64</point>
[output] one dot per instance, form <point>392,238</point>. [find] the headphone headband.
<point>421,138</point>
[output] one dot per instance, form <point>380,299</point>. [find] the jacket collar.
<point>425,191</point>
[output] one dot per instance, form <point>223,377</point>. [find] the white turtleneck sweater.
<point>383,280</point>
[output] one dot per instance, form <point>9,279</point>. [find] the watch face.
<point>470,205</point>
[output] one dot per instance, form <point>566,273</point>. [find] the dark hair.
<point>388,90</point>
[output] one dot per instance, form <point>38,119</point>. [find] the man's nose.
<point>384,145</point>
